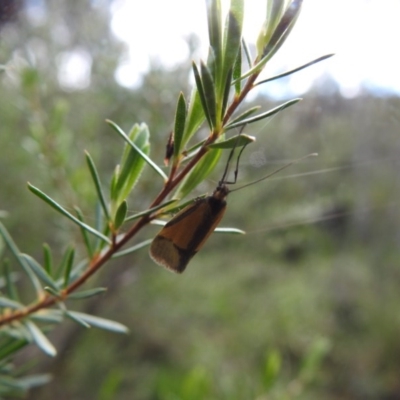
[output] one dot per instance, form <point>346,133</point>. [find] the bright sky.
<point>363,34</point>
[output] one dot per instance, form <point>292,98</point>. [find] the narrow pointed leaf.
<point>97,184</point>
<point>49,315</point>
<point>237,72</point>
<point>76,271</point>
<point>9,282</point>
<point>284,27</point>
<point>247,54</point>
<point>100,322</point>
<point>233,142</point>
<point>51,291</point>
<point>195,116</point>
<point>176,209</point>
<point>148,160</point>
<point>150,210</point>
<point>244,115</point>
<point>84,294</point>
<point>40,272</point>
<point>84,233</point>
<point>11,347</point>
<point>179,128</point>
<point>21,261</point>
<point>233,36</point>
<point>272,44</point>
<point>101,226</point>
<point>114,181</point>
<point>68,265</point>
<point>120,215</point>
<point>317,60</point>
<point>64,212</point>
<point>40,339</point>
<point>200,172</point>
<point>132,163</point>
<point>31,381</point>
<point>202,96</point>
<point>274,11</point>
<point>234,231</point>
<point>267,114</point>
<point>63,265</point>
<point>209,93</point>
<point>214,15</point>
<point>132,249</point>
<point>72,315</point>
<point>47,259</point>
<point>8,303</point>
<point>227,91</point>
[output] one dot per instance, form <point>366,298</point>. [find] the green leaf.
<point>8,303</point>
<point>148,160</point>
<point>97,184</point>
<point>9,382</point>
<point>120,215</point>
<point>48,315</point>
<point>40,272</point>
<point>195,116</point>
<point>244,115</point>
<point>200,172</point>
<point>274,10</point>
<point>233,142</point>
<point>132,164</point>
<point>85,236</point>
<point>100,322</point>
<point>31,381</point>
<point>150,210</point>
<point>312,360</point>
<point>264,115</point>
<point>47,259</point>
<point>227,91</point>
<point>64,212</point>
<point>180,119</point>
<point>237,72</point>
<point>76,271</point>
<point>214,16</point>
<point>232,38</point>
<point>273,44</point>
<point>209,93</point>
<point>21,261</point>
<point>272,367</point>
<point>84,294</point>
<point>201,92</point>
<point>132,249</point>
<point>11,347</point>
<point>317,60</point>
<point>62,266</point>
<point>40,339</point>
<point>72,315</point>
<point>247,53</point>
<point>283,28</point>
<point>175,210</point>
<point>114,181</point>
<point>9,281</point>
<point>69,261</point>
<point>53,292</point>
<point>234,231</point>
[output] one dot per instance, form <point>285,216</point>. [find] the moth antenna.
<point>276,171</point>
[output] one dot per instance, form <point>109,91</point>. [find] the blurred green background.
<point>305,306</point>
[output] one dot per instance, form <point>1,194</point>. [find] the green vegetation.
<point>301,307</point>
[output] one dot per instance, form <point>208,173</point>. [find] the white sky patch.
<point>74,69</point>
<point>362,33</point>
